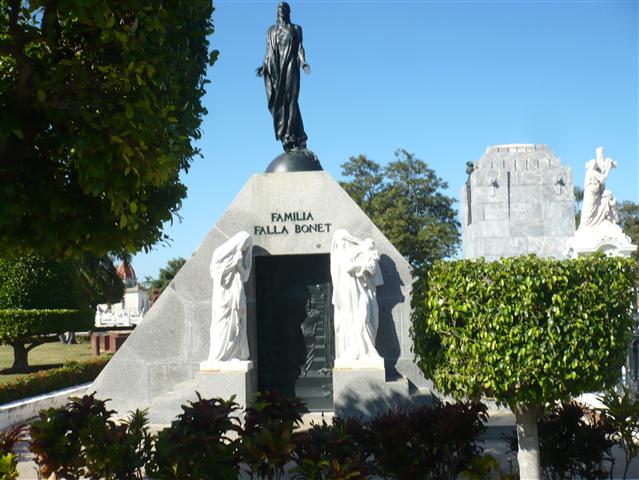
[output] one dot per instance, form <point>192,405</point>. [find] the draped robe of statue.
<point>598,204</point>
<point>282,81</point>
<point>230,268</point>
<point>356,275</point>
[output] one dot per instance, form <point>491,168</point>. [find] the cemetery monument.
<point>282,293</point>
<point>518,200</point>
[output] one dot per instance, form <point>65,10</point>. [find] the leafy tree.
<point>579,198</point>
<point>99,279</point>
<point>99,104</point>
<point>367,181</point>
<point>629,223</point>
<point>100,283</point>
<point>39,299</point>
<point>405,201</point>
<point>526,331</point>
<point>166,275</point>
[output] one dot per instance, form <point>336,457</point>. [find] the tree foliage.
<point>629,223</point>
<point>526,330</point>
<point>405,200</point>
<point>99,104</point>
<point>34,282</point>
<point>38,298</point>
<point>16,325</point>
<point>166,275</point>
<point>579,198</point>
<point>99,279</point>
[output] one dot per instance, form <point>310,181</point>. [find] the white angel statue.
<point>356,275</point>
<point>598,205</point>
<point>230,269</point>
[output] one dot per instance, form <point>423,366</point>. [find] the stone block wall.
<point>518,200</point>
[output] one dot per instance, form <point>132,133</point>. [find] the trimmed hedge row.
<point>18,323</point>
<point>72,373</point>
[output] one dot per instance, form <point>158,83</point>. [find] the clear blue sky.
<point>443,80</point>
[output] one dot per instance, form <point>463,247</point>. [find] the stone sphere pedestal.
<point>302,160</point>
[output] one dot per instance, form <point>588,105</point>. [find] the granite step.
<point>314,387</point>
<point>166,406</point>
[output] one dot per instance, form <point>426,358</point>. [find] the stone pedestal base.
<point>225,383</point>
<point>607,238</point>
<point>364,364</point>
<point>228,366</point>
<point>364,392</point>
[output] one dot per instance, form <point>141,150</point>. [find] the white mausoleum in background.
<point>131,309</point>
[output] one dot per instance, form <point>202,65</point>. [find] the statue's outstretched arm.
<point>301,55</point>
<point>262,69</point>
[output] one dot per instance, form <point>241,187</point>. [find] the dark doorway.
<point>295,342</point>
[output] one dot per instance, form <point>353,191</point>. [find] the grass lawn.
<point>45,356</point>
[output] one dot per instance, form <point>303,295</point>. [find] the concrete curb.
<point>23,410</point>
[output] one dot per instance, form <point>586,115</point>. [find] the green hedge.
<point>32,281</point>
<point>18,323</point>
<point>526,330</point>
<point>44,381</point>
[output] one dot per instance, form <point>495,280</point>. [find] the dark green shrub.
<point>55,437</point>
<point>338,451</point>
<point>116,451</point>
<point>433,442</point>
<point>622,416</point>
<point>8,466</point>
<point>201,444</point>
<point>82,441</point>
<point>44,381</point>
<point>10,437</point>
<point>8,458</point>
<point>486,467</point>
<point>268,438</point>
<point>574,443</point>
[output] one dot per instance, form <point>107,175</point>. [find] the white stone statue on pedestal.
<point>356,275</point>
<point>598,228</point>
<point>230,269</point>
<point>599,205</point>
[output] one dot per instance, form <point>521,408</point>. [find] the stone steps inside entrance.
<point>166,406</point>
<point>316,389</point>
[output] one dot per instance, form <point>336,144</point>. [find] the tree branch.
<point>48,19</point>
<point>6,48</point>
<point>24,67</point>
<point>31,346</point>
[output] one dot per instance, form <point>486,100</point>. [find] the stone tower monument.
<point>518,199</point>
